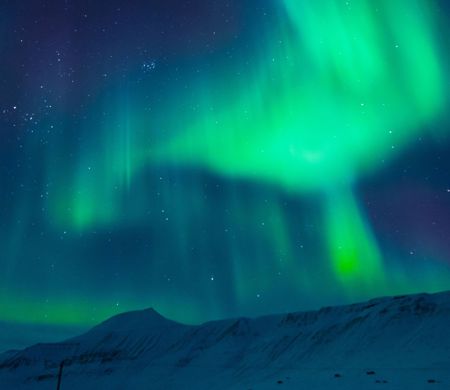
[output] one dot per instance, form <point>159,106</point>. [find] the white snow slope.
<point>388,343</point>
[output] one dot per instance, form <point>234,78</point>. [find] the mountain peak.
<point>144,320</point>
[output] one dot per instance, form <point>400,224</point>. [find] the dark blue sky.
<point>91,226</point>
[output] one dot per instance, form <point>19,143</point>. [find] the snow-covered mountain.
<point>392,343</point>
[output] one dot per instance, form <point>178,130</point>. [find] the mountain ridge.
<point>325,348</point>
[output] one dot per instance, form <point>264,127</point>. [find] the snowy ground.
<point>389,343</point>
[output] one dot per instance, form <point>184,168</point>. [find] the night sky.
<point>219,158</point>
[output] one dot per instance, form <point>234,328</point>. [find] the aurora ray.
<point>330,102</point>
<point>215,159</point>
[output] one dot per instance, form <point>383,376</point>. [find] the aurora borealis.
<point>219,158</point>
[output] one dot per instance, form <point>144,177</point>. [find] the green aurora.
<point>320,96</point>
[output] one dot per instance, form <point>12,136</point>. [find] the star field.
<point>219,158</point>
